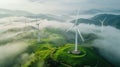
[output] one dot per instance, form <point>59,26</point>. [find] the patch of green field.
<point>87,57</point>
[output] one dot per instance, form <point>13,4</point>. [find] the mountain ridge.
<point>111,20</point>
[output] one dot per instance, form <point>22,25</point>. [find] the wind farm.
<point>78,33</point>
<point>54,43</point>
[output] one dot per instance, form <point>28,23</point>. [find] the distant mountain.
<point>92,11</point>
<point>8,13</point>
<point>50,17</point>
<point>111,20</point>
<point>97,11</point>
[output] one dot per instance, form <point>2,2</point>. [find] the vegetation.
<point>86,58</point>
<point>54,50</point>
<point>111,20</point>
<point>61,57</point>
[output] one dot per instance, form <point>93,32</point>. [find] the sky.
<point>57,6</point>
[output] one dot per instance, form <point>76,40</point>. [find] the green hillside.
<point>53,50</point>
<point>46,55</point>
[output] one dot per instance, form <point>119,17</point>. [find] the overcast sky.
<point>54,6</point>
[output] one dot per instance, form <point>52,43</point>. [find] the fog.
<point>108,43</point>
<point>9,51</point>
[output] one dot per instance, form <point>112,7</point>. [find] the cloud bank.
<point>58,6</point>
<point>108,43</point>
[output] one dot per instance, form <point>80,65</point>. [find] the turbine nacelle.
<point>102,23</point>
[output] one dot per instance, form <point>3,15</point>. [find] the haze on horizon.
<point>58,6</point>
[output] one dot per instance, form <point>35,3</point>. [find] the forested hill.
<point>111,20</point>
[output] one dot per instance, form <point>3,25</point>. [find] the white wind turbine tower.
<point>25,22</point>
<point>77,31</point>
<point>38,35</point>
<point>102,24</point>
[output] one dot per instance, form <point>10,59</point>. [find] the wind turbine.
<point>25,22</point>
<point>77,31</point>
<point>38,35</point>
<point>102,23</point>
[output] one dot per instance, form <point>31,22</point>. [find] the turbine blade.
<point>70,28</point>
<point>81,35</point>
<point>77,14</point>
<point>104,19</point>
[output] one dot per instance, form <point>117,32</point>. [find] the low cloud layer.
<point>108,43</point>
<point>10,51</point>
